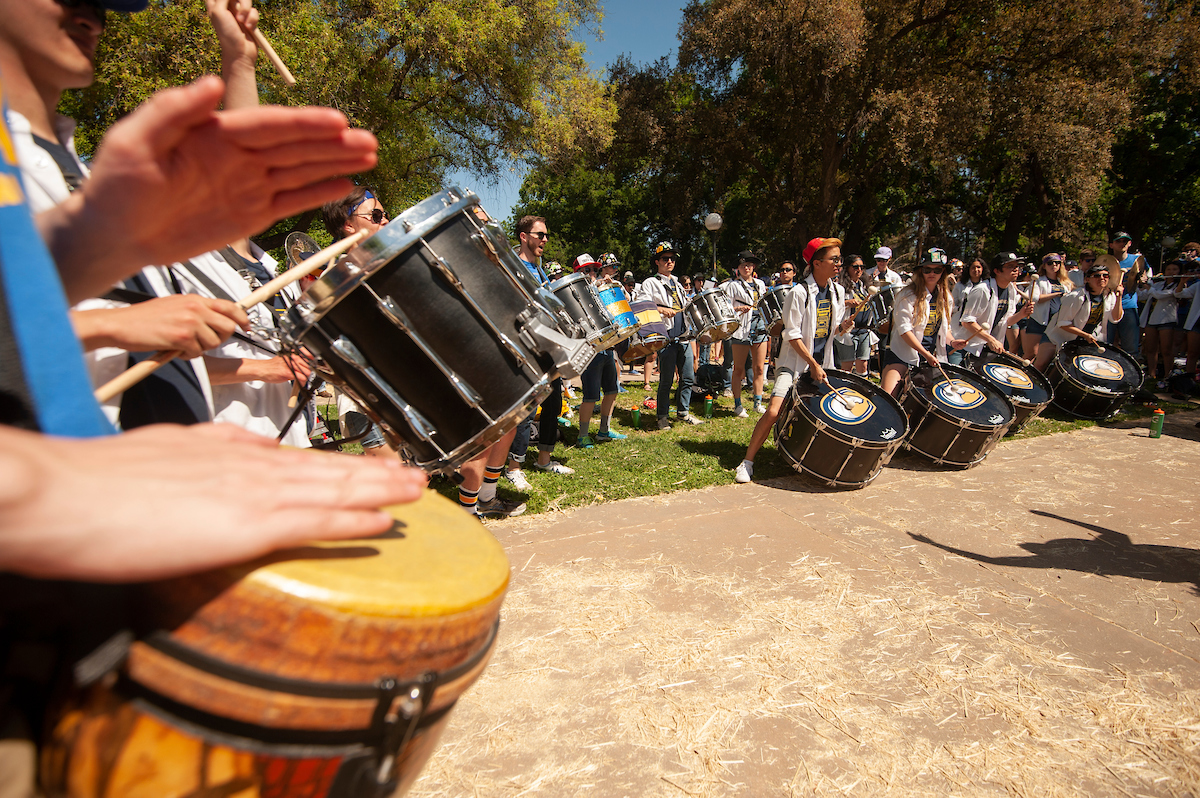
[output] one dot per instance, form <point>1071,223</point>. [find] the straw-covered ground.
<point>624,672</point>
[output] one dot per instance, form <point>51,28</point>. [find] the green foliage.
<point>444,84</point>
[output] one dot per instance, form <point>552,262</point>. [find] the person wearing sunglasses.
<point>1087,311</point>
<point>920,322</point>
<point>990,308</point>
<point>853,356</point>
<point>676,357</point>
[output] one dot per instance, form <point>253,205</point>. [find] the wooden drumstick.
<point>131,377</point>
<point>273,57</point>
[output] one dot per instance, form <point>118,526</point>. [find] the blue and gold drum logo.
<point>958,394</point>
<point>847,406</point>
<point>1007,375</point>
<point>1099,367</point>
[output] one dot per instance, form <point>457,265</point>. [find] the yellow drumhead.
<point>437,561</point>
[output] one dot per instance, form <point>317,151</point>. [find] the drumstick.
<point>131,377</point>
<point>273,57</point>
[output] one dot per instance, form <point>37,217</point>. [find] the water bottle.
<point>636,415</point>
<point>708,405</point>
<point>1156,423</point>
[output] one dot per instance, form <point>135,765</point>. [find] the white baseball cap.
<point>883,253</point>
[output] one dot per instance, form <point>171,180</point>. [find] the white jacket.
<point>665,293</point>
<point>1162,306</point>
<point>906,319</point>
<point>800,323</point>
<point>1074,312</point>
<point>744,293</point>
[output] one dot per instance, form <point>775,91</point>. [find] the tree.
<point>444,84</point>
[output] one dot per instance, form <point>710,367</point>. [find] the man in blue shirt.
<point>1126,333</point>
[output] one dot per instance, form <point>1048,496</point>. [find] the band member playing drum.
<point>664,291</point>
<point>990,308</point>
<point>1046,294</point>
<point>602,374</point>
<point>814,314</point>
<point>853,356</point>
<point>1087,311</point>
<point>751,337</point>
<point>920,323</point>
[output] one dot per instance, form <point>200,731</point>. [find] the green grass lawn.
<point>685,457</point>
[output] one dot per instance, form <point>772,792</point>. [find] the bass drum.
<point>327,671</point>
<point>1024,385</point>
<point>954,422</point>
<point>843,436</point>
<point>438,332</point>
<point>1089,383</point>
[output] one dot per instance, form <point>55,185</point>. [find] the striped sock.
<point>490,477</point>
<point>467,499</point>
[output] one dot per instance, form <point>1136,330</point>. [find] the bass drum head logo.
<point>1007,375</point>
<point>958,394</point>
<point>847,406</point>
<point>1099,367</point>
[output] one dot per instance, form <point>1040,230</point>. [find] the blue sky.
<point>645,30</point>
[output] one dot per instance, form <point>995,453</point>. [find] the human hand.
<point>994,344</point>
<point>166,500</point>
<point>232,370</point>
<point>234,22</point>
<point>177,178</point>
<point>184,322</point>
<point>929,358</point>
<point>818,374</point>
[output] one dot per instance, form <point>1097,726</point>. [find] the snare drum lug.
<point>397,713</point>
<point>348,352</point>
<point>389,308</point>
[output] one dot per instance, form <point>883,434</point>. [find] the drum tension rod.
<point>396,721</point>
<point>442,266</point>
<point>396,315</point>
<point>421,427</point>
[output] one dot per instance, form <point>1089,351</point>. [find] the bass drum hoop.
<point>1116,399</point>
<point>933,407</point>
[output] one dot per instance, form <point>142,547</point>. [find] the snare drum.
<point>771,308</point>
<point>617,304</point>
<point>879,308</point>
<point>710,317</point>
<point>842,436</point>
<point>438,332</point>
<point>1024,385</point>
<point>327,670</point>
<point>955,422</point>
<point>652,331</point>
<point>587,309</point>
<point>1092,384</point>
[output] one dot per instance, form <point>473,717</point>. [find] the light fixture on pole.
<point>1167,243</point>
<point>713,223</point>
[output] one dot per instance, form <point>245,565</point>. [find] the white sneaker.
<point>555,467</point>
<point>689,419</point>
<point>517,478</point>
<point>759,408</point>
<point>745,470</point>
<point>740,412</point>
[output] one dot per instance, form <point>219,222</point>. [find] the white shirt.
<point>800,323</point>
<point>744,292</point>
<point>665,292</point>
<point>980,306</point>
<point>905,318</point>
<point>1075,309</point>
<point>893,277</point>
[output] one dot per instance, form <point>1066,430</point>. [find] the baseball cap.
<point>1121,234</point>
<point>1006,257</point>
<point>664,248</point>
<point>628,276</point>
<point>584,261</point>
<point>610,261</point>
<point>883,253</point>
<point>747,255</point>
<point>821,243</point>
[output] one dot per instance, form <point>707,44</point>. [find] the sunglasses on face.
<point>835,261</point>
<point>539,236</point>
<point>787,269</point>
<point>376,216</point>
<point>933,269</point>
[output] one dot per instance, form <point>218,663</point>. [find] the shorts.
<point>1036,328</point>
<point>784,377</point>
<point>755,338</point>
<point>1168,326</point>
<point>890,358</point>
<point>858,349</point>
<point>601,373</point>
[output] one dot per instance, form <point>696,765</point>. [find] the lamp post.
<point>713,223</point>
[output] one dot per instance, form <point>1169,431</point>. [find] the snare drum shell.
<point>585,306</point>
<point>465,340</point>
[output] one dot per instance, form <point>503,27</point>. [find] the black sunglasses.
<point>377,215</point>
<point>539,236</point>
